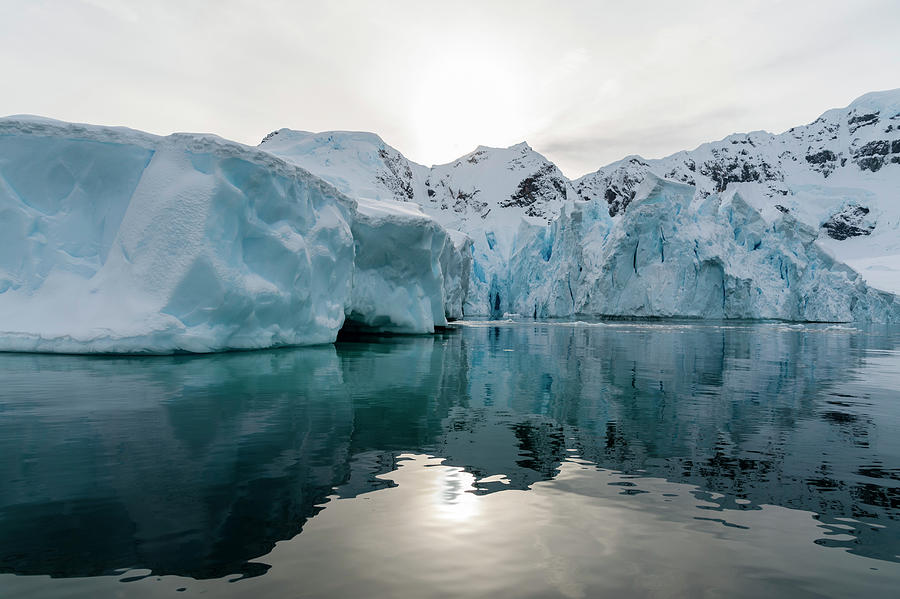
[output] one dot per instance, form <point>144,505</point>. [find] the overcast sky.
<point>585,83</point>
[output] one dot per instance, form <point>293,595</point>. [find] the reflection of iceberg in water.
<point>196,465</point>
<point>188,465</point>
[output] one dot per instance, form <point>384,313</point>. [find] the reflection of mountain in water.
<point>765,413</point>
<point>195,465</point>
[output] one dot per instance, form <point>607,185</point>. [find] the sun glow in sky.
<point>441,108</point>
<point>584,82</point>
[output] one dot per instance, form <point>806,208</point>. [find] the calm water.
<point>501,459</point>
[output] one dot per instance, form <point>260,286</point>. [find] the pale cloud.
<point>584,82</point>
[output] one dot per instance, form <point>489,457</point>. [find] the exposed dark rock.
<point>618,187</point>
<point>876,147</point>
<point>822,161</point>
<point>535,191</point>
<point>475,158</point>
<point>620,201</point>
<point>733,170</point>
<point>870,163</point>
<point>849,222</point>
<point>467,198</point>
<point>269,136</point>
<point>677,175</point>
<point>821,157</point>
<point>781,208</point>
<point>399,177</point>
<point>862,120</point>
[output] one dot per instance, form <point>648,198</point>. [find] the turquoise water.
<point>504,459</point>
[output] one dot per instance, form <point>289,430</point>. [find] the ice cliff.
<point>120,241</point>
<point>672,254</point>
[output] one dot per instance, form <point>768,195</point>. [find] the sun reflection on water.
<point>455,499</point>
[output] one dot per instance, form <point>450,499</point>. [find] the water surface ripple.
<point>499,458</point>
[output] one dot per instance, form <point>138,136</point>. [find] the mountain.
<point>514,181</point>
<point>837,177</point>
<point>839,174</point>
<point>486,194</point>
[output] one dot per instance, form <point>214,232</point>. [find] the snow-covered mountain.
<point>490,194</point>
<point>515,181</point>
<point>838,177</point>
<point>359,164</point>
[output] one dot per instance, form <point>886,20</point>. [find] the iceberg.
<point>409,273</point>
<point>118,241</point>
<point>456,266</point>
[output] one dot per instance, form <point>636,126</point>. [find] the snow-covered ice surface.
<point>115,240</point>
<point>120,241</point>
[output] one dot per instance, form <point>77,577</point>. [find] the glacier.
<point>819,198</point>
<point>120,241</point>
<point>845,164</point>
<point>672,255</point>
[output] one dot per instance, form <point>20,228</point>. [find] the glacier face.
<point>400,284</point>
<point>120,241</point>
<point>675,255</point>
